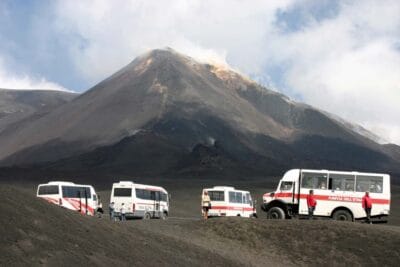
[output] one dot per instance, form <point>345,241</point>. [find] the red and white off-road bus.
<point>228,201</point>
<point>338,194</point>
<point>140,201</point>
<point>82,198</point>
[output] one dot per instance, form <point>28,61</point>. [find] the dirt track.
<point>34,232</point>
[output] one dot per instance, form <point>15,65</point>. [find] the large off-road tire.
<point>342,215</point>
<point>276,213</point>
<point>147,216</point>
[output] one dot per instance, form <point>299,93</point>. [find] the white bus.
<point>140,201</point>
<point>338,194</point>
<point>82,198</point>
<point>228,201</point>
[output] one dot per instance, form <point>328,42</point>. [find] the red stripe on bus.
<point>51,200</point>
<point>346,199</point>
<point>76,203</point>
<point>284,195</point>
<point>231,208</point>
<point>153,202</point>
<point>333,198</point>
<point>73,202</point>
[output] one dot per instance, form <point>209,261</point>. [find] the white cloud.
<point>10,80</point>
<point>347,64</point>
<point>109,34</point>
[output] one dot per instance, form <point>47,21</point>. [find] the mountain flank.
<point>165,113</point>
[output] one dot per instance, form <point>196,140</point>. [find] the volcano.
<point>167,114</point>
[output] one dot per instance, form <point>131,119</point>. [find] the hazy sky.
<point>339,56</point>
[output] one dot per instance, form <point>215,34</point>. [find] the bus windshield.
<point>286,186</point>
<point>48,190</point>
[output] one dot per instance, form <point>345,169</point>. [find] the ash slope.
<point>35,232</point>
<point>21,105</point>
<point>189,118</point>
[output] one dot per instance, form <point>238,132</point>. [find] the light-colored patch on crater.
<point>158,87</point>
<point>143,65</point>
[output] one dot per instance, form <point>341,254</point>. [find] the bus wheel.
<point>147,216</point>
<point>276,213</point>
<point>342,215</point>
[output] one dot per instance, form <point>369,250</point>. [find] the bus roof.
<point>66,183</point>
<point>61,183</point>
<point>340,172</point>
<point>345,172</point>
<point>223,188</point>
<point>141,186</point>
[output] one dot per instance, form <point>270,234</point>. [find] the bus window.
<point>349,184</point>
<point>164,197</point>
<point>314,180</point>
<point>341,182</point>
<point>216,195</point>
<point>235,197</point>
<point>122,192</point>
<point>372,184</point>
<point>76,192</point>
<point>145,194</point>
<point>247,198</point>
<point>286,186</point>
<point>48,190</point>
<point>157,195</point>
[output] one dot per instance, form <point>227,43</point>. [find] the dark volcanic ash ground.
<point>34,232</point>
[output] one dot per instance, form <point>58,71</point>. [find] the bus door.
<point>235,203</point>
<point>87,199</point>
<point>155,195</point>
<point>81,199</point>
<point>248,206</point>
<point>341,192</point>
<point>73,197</point>
<point>123,195</point>
<point>316,181</point>
<point>219,202</point>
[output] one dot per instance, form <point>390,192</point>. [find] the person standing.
<point>111,210</point>
<point>205,203</point>
<point>311,203</point>
<point>367,206</point>
<point>122,210</point>
<point>99,210</point>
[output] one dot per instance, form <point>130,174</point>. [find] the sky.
<point>339,56</point>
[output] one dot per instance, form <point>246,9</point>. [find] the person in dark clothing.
<point>311,203</point>
<point>99,210</point>
<point>111,210</point>
<point>367,206</point>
